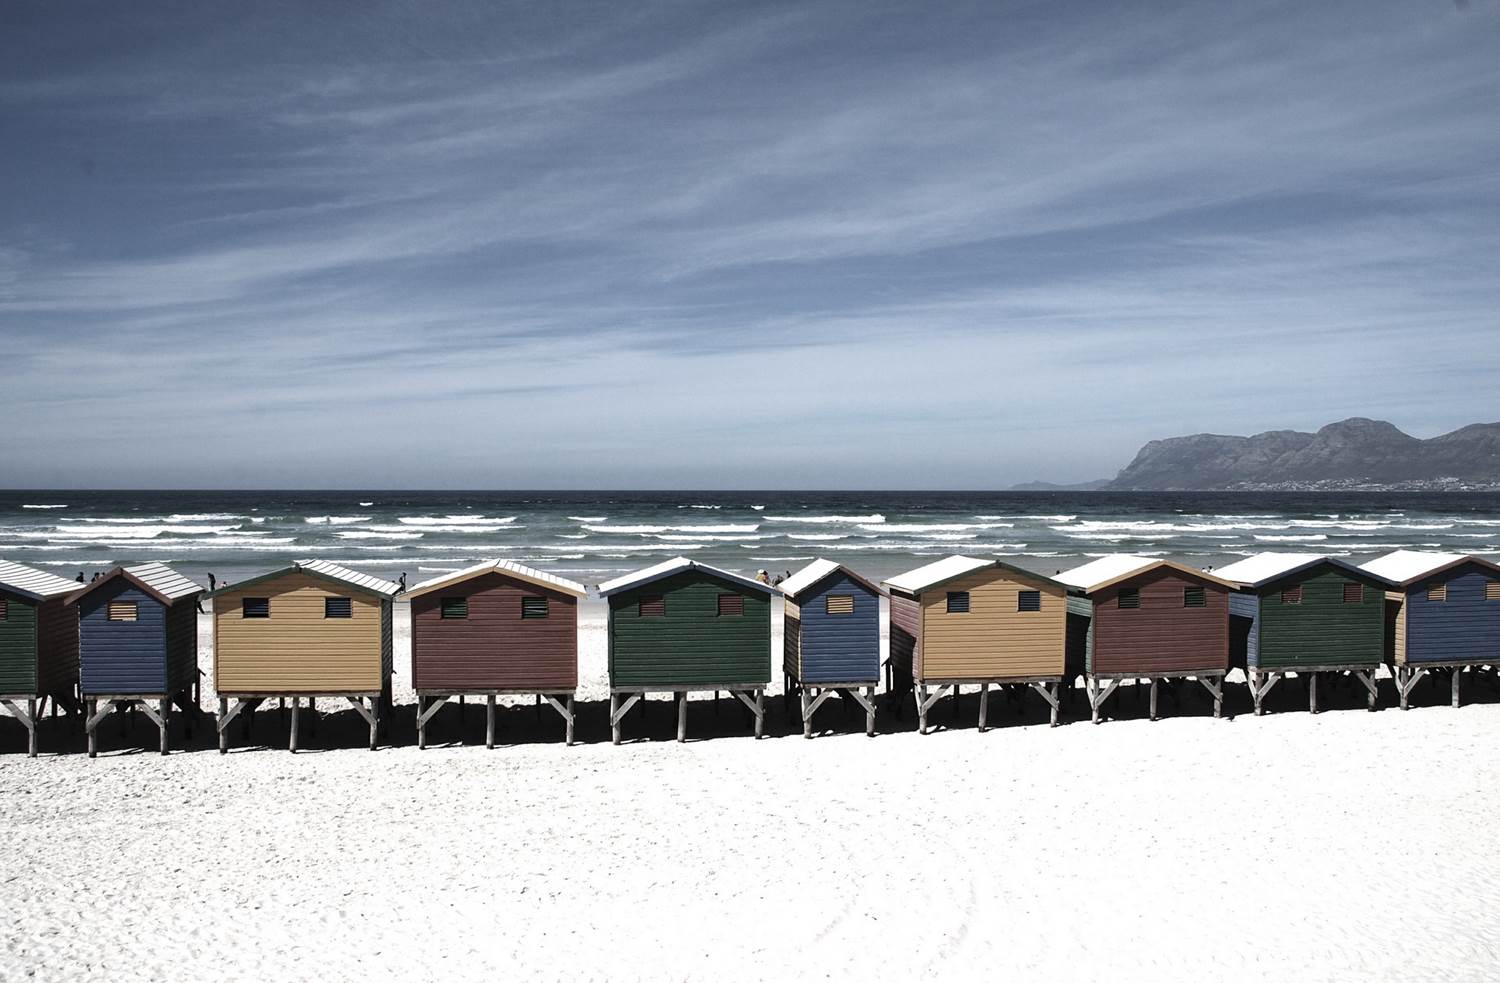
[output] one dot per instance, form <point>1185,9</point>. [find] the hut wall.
<point>1461,628</point>
<point>791,639</point>
<point>494,647</point>
<point>297,649</point>
<point>18,646</point>
<point>57,646</point>
<point>182,644</point>
<point>839,648</point>
<point>1322,629</point>
<point>906,636</point>
<point>1395,628</point>
<point>1163,636</point>
<point>994,638</point>
<point>1244,629</point>
<point>690,644</point>
<point>1080,633</point>
<point>122,656</point>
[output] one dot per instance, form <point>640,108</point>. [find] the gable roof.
<point>156,579</point>
<point>675,565</point>
<point>38,585</point>
<point>818,571</point>
<point>327,571</point>
<point>1265,568</point>
<point>506,567</point>
<point>939,572</point>
<point>1110,570</point>
<point>1405,567</point>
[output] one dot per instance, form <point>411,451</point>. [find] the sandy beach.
<point>1347,845</point>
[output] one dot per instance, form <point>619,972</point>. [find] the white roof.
<point>1104,570</point>
<point>1266,566</point>
<point>1405,565</point>
<point>918,580</point>
<point>164,580</point>
<point>807,576</point>
<point>364,580</point>
<point>36,583</point>
<point>508,567</point>
<point>669,567</point>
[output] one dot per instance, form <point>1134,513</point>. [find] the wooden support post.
<point>31,728</point>
<point>569,734</point>
<point>374,722</point>
<point>161,708</point>
<point>1153,697</point>
<point>89,721</point>
<point>421,724</point>
<point>220,724</point>
<point>489,721</point>
<point>614,717</point>
<point>807,714</point>
<point>292,740</point>
<point>760,713</point>
<point>1457,673</point>
<point>681,716</point>
<point>869,711</point>
<point>1312,692</point>
<point>984,707</point>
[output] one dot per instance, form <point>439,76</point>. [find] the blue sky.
<point>708,245</point>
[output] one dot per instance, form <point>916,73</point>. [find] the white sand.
<point>1344,846</point>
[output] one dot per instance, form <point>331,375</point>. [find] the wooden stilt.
<point>806,716</point>
<point>760,713</point>
<point>569,735</point>
<point>1153,697</point>
<point>984,707</point>
<point>292,740</point>
<point>161,708</point>
<point>681,716</point>
<point>614,717</point>
<point>89,723</point>
<point>489,721</point>
<point>1312,692</point>
<point>220,725</point>
<point>31,728</point>
<point>1457,673</point>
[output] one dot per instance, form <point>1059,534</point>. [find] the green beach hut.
<point>38,645</point>
<point>681,627</point>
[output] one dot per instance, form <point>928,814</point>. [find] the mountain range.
<point>1357,454</point>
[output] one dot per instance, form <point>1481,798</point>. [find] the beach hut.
<point>963,621</point>
<point>1305,614</point>
<point>494,629</point>
<point>1137,617</point>
<point>138,645</point>
<point>313,629</point>
<point>38,645</point>
<point>831,638</point>
<point>1442,613</point>
<point>681,627</point>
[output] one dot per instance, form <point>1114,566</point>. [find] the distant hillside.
<point>1353,454</point>
<point>1049,486</point>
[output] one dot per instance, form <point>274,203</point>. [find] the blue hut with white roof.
<point>830,639</point>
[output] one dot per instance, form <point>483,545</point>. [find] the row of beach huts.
<point>316,630</point>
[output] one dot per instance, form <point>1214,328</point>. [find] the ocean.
<point>592,536</point>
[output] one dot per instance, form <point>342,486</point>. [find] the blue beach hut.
<point>831,638</point>
<point>1442,613</point>
<point>138,645</point>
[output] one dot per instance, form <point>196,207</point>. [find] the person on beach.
<point>763,577</point>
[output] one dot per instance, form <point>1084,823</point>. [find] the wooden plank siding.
<point>906,635</point>
<point>1162,636</point>
<point>18,646</point>
<point>993,639</point>
<point>297,649</point>
<point>1322,630</point>
<point>494,647</point>
<point>182,644</point>
<point>791,640</point>
<point>836,648</point>
<point>691,643</point>
<point>1462,628</point>
<point>57,646</point>
<point>122,656</point>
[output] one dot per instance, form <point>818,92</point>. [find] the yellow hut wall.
<point>993,639</point>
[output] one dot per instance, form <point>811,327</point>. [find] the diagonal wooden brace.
<point>92,722</point>
<point>358,702</point>
<point>432,708</point>
<point>744,698</point>
<point>624,708</point>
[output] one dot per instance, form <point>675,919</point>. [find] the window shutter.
<point>1354,593</point>
<point>123,611</point>
<point>1194,597</point>
<point>1292,594</point>
<point>1129,597</point>
<point>256,607</point>
<point>4,609</point>
<point>1029,600</point>
<point>958,602</point>
<point>653,606</point>
<point>731,604</point>
<point>533,607</point>
<point>1492,590</point>
<point>838,603</point>
<point>454,608</point>
<point>1437,592</point>
<point>338,607</point>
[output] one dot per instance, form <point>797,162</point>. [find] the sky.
<point>732,245</point>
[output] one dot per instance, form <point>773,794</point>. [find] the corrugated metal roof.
<point>918,580</point>
<point>666,569</point>
<point>34,583</point>
<point>164,580</point>
<point>362,580</point>
<point>1404,566</point>
<point>815,572</point>
<point>1098,572</point>
<point>508,567</point>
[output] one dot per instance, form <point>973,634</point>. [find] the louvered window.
<point>123,611</point>
<point>958,602</point>
<point>653,606</point>
<point>1130,597</point>
<point>1291,595</point>
<point>1029,600</point>
<point>1437,592</point>
<point>454,608</point>
<point>338,607</point>
<point>1194,597</point>
<point>731,604</point>
<point>4,609</point>
<point>533,607</point>
<point>838,603</point>
<point>1492,590</point>
<point>256,607</point>
<point>1354,593</point>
